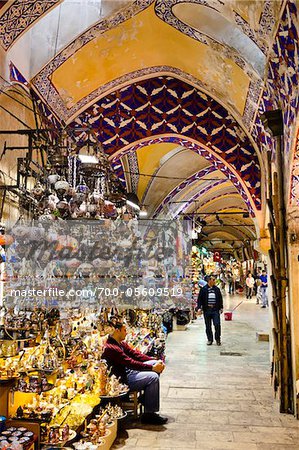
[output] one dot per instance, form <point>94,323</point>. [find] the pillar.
<point>293,256</point>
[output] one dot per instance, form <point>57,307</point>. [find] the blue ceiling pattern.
<point>166,105</point>
<point>181,186</point>
<point>282,92</point>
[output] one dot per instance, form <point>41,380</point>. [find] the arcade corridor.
<point>215,401</point>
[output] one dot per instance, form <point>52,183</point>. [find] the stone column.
<point>293,254</point>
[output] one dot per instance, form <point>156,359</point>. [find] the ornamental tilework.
<point>216,197</point>
<point>195,177</point>
<point>165,105</point>
<point>200,150</point>
<point>295,176</point>
<point>192,199</point>
<point>47,90</point>
<point>19,16</point>
<point>118,170</point>
<point>282,92</point>
<point>16,76</point>
<point>134,170</point>
<point>283,69</point>
<point>42,81</point>
<point>164,9</point>
<point>48,119</point>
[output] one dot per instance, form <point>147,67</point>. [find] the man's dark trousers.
<point>212,315</point>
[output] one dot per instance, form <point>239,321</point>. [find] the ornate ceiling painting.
<point>174,193</point>
<point>75,78</point>
<point>19,15</point>
<point>199,189</point>
<point>160,74</point>
<point>149,161</point>
<point>175,167</point>
<point>165,105</point>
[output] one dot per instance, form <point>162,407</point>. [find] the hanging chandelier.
<point>80,183</point>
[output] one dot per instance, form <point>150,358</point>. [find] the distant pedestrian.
<point>264,289</point>
<point>210,301</point>
<point>230,280</point>
<point>249,285</point>
<point>258,284</point>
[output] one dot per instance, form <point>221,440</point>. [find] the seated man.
<point>138,371</point>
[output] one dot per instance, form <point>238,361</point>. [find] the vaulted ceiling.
<point>169,87</point>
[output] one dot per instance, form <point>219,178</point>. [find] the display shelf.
<point>110,397</point>
<point>61,443</point>
<point>31,426</point>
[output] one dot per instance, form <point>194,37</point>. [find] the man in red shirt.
<point>138,371</point>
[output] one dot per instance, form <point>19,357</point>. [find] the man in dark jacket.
<point>210,302</point>
<point>138,371</point>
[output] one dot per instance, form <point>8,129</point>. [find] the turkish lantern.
<point>6,239</point>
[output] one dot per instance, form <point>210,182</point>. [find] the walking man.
<point>210,302</point>
<point>264,289</point>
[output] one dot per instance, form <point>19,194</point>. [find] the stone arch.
<point>211,156</point>
<point>165,105</point>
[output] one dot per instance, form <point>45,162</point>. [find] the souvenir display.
<point>59,379</point>
<point>16,438</point>
<point>113,412</point>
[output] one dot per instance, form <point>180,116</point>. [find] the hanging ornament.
<point>37,191</point>
<point>62,187</point>
<point>53,178</point>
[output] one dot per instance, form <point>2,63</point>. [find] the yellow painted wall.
<point>145,41</point>
<point>149,161</point>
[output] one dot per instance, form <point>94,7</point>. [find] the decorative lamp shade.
<point>6,239</point>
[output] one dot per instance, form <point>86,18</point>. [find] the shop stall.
<point>54,384</point>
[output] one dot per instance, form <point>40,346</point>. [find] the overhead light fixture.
<point>88,159</point>
<point>133,201</point>
<point>133,205</point>
<point>246,215</point>
<point>143,212</point>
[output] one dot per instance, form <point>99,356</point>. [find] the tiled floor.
<point>216,401</point>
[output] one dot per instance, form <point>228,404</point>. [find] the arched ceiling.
<point>83,49</point>
<point>169,87</point>
<point>169,108</point>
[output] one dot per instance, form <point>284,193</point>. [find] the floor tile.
<point>217,402</point>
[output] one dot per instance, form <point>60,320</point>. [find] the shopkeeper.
<point>138,371</point>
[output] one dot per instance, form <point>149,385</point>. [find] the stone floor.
<point>217,401</point>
